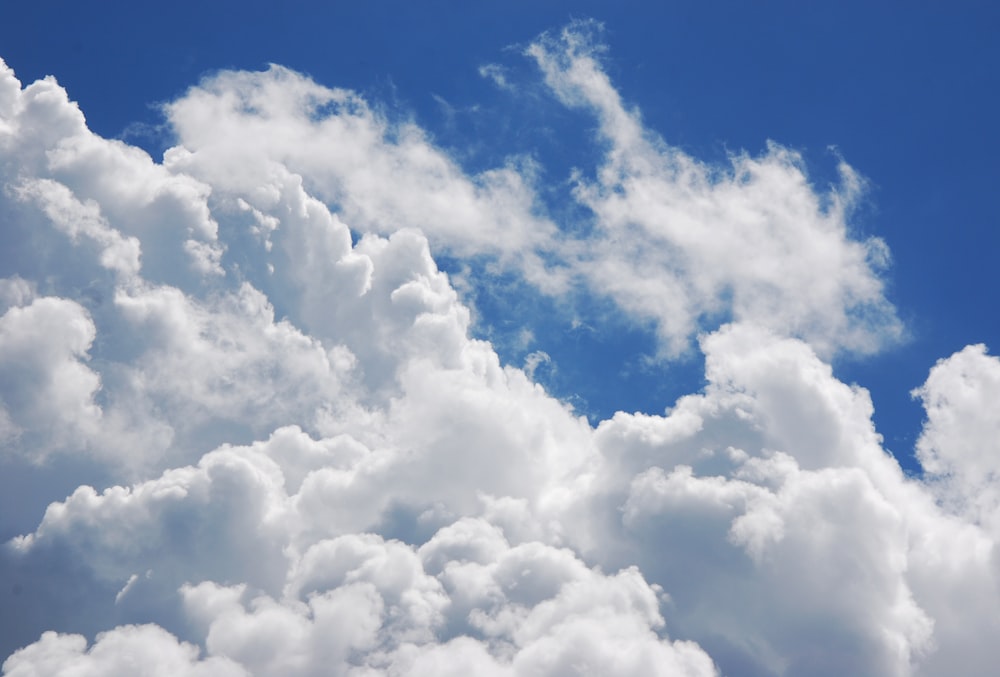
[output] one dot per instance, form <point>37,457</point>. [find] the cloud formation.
<point>313,467</point>
<point>679,241</point>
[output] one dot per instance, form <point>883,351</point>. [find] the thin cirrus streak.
<point>315,468</point>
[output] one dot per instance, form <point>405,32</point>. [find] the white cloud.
<point>497,74</point>
<point>123,652</point>
<point>315,469</point>
<point>680,242</point>
<point>105,190</point>
<point>535,610</point>
<point>677,242</point>
<point>767,493</point>
<point>48,395</point>
<point>15,291</point>
<point>74,218</point>
<point>381,175</point>
<point>960,444</point>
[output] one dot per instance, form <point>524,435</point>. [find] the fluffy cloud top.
<point>314,468</point>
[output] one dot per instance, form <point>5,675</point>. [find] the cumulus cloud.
<point>49,390</point>
<point>312,467</point>
<point>959,445</point>
<point>381,175</point>
<point>126,650</point>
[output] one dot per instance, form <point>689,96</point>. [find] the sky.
<point>501,339</point>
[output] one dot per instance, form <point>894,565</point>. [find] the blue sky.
<point>905,93</point>
<point>542,155</point>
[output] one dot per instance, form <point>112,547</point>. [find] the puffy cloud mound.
<point>126,650</point>
<point>960,442</point>
<point>287,454</point>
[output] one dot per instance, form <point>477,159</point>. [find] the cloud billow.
<point>317,469</point>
